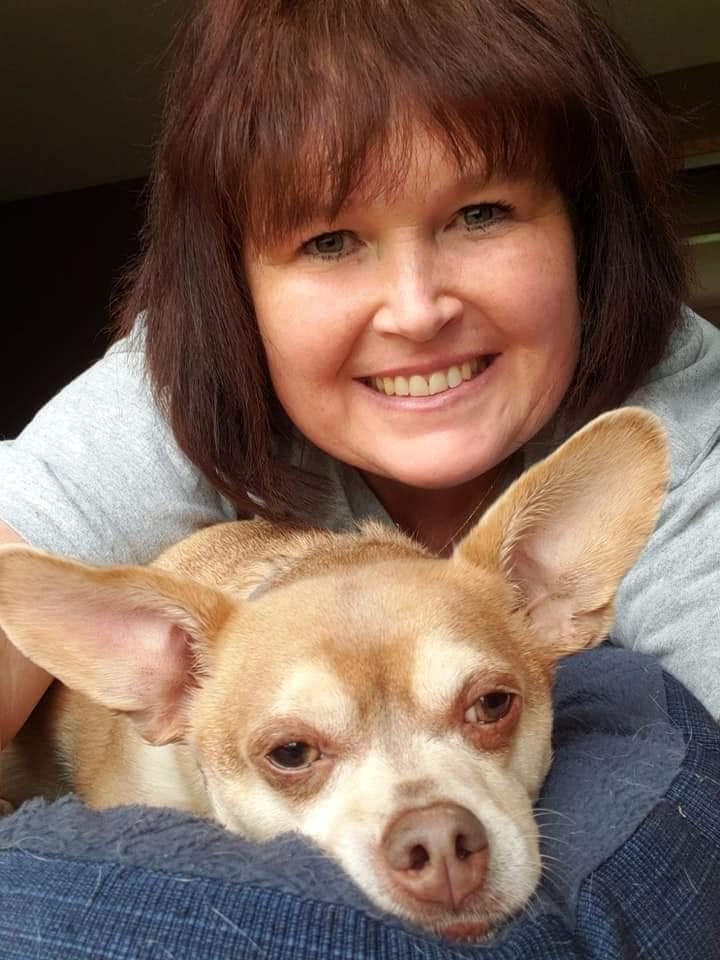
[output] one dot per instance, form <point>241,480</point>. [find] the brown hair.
<point>273,111</point>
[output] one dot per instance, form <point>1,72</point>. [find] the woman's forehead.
<point>416,161</point>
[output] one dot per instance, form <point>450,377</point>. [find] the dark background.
<point>63,257</point>
<point>79,104</point>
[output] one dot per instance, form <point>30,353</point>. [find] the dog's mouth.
<point>476,921</point>
<point>465,931</point>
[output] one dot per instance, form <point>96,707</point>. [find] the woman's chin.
<point>440,472</point>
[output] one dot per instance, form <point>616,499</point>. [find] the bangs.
<point>314,176</point>
<point>301,132</point>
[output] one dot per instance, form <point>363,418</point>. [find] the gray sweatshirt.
<point>98,476</point>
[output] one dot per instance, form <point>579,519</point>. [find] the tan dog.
<point>393,707</point>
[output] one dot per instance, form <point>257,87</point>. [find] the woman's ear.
<point>567,531</point>
<point>135,639</point>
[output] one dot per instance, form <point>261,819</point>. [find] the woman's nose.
<point>415,304</point>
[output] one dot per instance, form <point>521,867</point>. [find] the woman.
<point>395,252</point>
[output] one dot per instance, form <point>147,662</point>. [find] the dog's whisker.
<point>549,811</point>
<point>547,858</point>
<point>554,882</point>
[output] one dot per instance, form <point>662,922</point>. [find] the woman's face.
<point>427,333</point>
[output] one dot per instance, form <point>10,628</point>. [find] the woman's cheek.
<point>310,325</point>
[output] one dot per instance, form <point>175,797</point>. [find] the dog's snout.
<point>437,854</point>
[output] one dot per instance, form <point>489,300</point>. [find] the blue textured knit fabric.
<point>632,844</point>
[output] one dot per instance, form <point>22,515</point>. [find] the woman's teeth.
<point>421,385</point>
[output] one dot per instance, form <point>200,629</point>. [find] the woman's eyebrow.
<point>484,180</point>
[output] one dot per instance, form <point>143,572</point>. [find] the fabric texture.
<point>98,476</point>
<point>631,844</point>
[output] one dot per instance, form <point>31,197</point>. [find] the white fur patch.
<point>315,695</point>
<point>169,778</point>
<point>441,668</point>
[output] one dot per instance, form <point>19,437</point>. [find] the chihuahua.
<point>392,706</point>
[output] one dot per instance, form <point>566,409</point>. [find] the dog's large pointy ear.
<point>567,532</point>
<point>132,638</point>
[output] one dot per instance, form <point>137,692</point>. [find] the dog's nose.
<point>437,854</point>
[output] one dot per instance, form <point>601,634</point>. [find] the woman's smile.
<point>416,382</point>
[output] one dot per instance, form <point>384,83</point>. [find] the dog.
<point>392,706</point>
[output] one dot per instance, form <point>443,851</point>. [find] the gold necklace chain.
<point>478,508</point>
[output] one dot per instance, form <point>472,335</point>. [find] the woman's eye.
<point>490,707</point>
<point>330,246</point>
<point>294,755</point>
<point>480,215</point>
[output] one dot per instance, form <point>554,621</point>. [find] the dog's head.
<point>392,706</point>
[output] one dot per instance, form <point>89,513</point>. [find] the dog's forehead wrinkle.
<point>374,600</point>
<point>379,576</point>
<point>336,554</point>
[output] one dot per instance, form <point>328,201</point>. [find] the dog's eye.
<point>490,707</point>
<point>293,756</point>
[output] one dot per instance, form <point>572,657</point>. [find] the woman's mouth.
<point>429,384</point>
